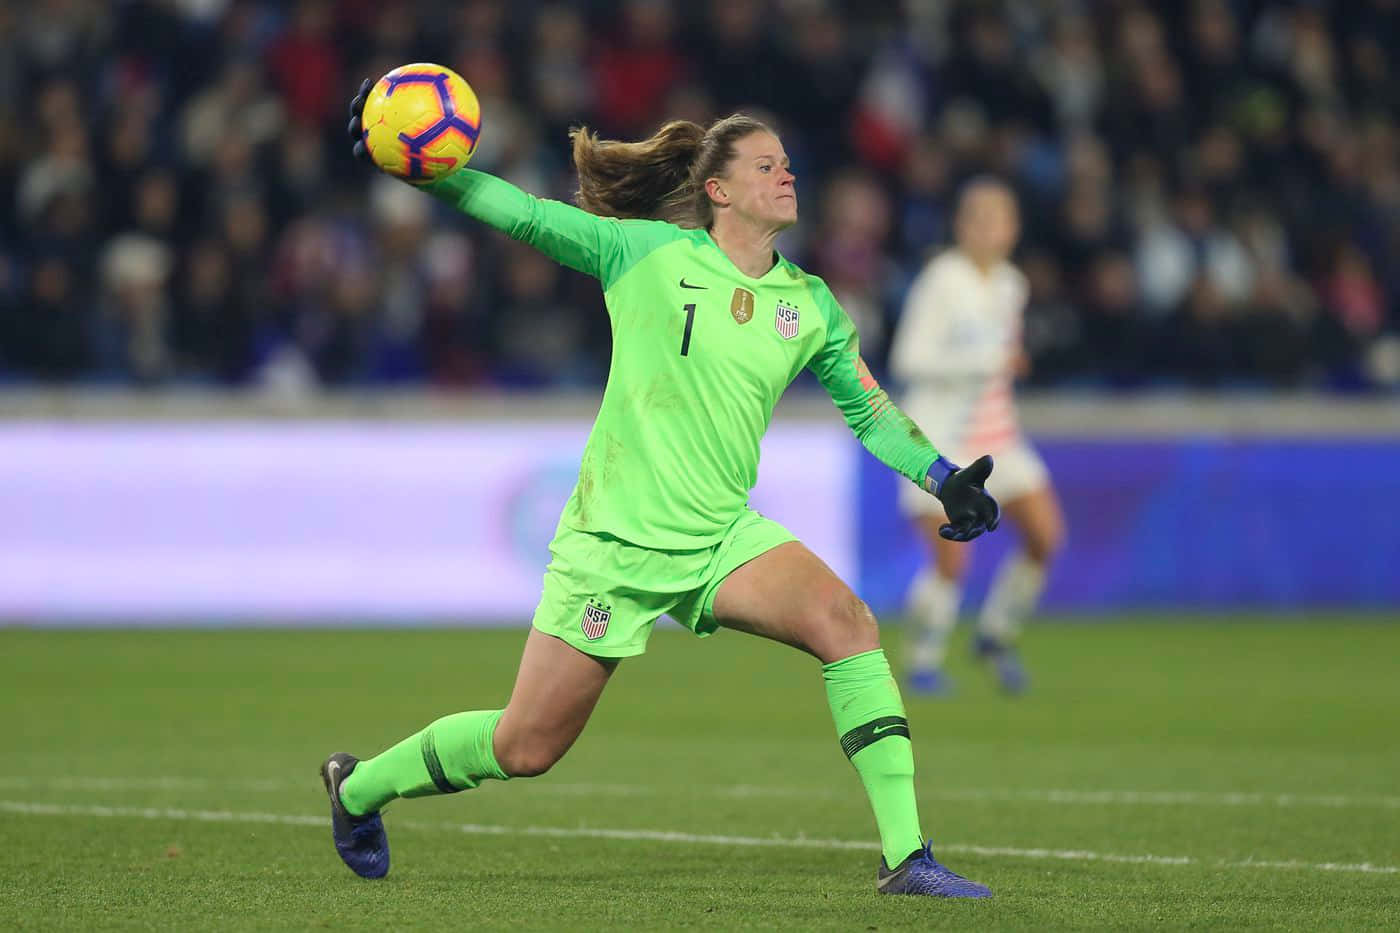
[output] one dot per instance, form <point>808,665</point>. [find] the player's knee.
<point>527,755</point>
<point>533,765</point>
<point>1044,543</point>
<point>528,760</point>
<point>951,563</point>
<point>849,627</point>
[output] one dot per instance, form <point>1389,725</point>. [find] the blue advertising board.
<point>1185,522</point>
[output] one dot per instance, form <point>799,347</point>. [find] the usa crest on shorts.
<point>595,620</point>
<point>785,319</point>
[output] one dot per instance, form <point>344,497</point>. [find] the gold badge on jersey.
<point>741,305</point>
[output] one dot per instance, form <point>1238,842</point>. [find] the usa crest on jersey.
<point>785,320</point>
<point>595,620</point>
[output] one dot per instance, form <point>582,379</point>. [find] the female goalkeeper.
<point>709,327</point>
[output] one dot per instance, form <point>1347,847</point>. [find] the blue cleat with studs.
<point>1011,676</point>
<point>922,874</point>
<point>359,840</point>
<point>930,681</point>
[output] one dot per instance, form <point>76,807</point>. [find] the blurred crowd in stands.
<point>1211,189</point>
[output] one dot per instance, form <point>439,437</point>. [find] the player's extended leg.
<point>1019,582</point>
<point>788,594</point>
<point>556,689</point>
<point>555,692</point>
<point>933,606</point>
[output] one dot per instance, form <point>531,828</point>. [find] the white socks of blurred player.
<point>934,600</point>
<point>933,604</point>
<point>1012,598</point>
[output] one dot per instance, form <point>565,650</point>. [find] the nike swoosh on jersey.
<point>685,284</point>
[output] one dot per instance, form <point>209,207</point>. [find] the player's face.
<point>988,222</point>
<point>758,183</point>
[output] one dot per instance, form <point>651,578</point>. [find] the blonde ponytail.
<point>660,178</point>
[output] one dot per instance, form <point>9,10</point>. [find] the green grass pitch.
<point>1209,773</point>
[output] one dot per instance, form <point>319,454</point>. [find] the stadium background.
<point>221,340</point>
<point>248,389</point>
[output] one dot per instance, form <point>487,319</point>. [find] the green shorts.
<point>603,595</point>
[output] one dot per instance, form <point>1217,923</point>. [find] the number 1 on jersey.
<point>689,323</point>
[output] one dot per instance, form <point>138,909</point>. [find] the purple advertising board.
<point>323,522</point>
<point>327,522</point>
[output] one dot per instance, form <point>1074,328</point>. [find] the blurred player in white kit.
<point>957,350</point>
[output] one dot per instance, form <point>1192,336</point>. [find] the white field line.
<point>988,795</point>
<point>28,808</point>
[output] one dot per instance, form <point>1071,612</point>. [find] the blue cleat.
<point>360,840</point>
<point>1004,659</point>
<point>921,874</point>
<point>930,681</point>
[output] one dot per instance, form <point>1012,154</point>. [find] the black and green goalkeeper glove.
<point>970,509</point>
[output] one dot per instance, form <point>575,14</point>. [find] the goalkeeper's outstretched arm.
<point>593,245</point>
<point>892,436</point>
<point>564,233</point>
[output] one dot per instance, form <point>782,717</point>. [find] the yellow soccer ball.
<point>421,122</point>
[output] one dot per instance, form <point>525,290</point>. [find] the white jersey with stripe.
<point>955,351</point>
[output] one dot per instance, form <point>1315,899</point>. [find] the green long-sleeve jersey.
<point>701,353</point>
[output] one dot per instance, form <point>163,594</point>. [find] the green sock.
<point>874,734</point>
<point>454,753</point>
